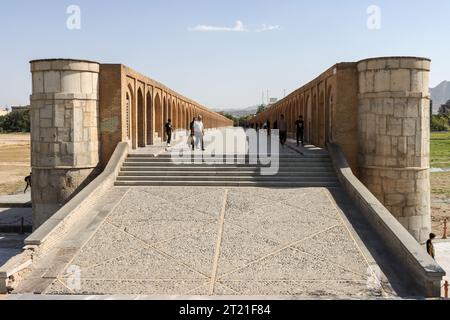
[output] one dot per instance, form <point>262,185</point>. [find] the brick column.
<point>394,134</point>
<point>64,132</point>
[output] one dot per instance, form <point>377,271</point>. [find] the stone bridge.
<point>341,217</point>
<point>378,111</point>
<point>81,110</point>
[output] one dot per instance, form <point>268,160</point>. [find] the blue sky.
<point>218,68</point>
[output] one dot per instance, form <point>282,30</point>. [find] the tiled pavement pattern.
<point>223,241</point>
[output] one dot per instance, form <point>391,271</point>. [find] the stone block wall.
<point>64,132</point>
<point>394,133</point>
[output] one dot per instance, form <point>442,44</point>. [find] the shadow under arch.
<point>158,117</point>
<point>150,127</point>
<point>129,113</point>
<point>140,119</point>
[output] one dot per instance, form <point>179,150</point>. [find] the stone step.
<point>171,164</point>
<point>164,183</point>
<point>206,168</point>
<point>228,178</point>
<point>283,156</point>
<point>209,160</point>
<point>252,173</point>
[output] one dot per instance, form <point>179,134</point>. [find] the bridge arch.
<point>321,118</point>
<point>165,117</point>
<point>158,116</point>
<point>140,119</point>
<point>150,125</point>
<point>308,118</point>
<point>127,122</point>
<point>133,117</point>
<point>330,114</point>
<point>315,131</point>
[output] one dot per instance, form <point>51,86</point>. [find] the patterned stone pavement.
<point>224,241</point>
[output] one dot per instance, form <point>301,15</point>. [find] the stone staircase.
<point>294,171</point>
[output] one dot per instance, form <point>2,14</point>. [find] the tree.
<point>440,123</point>
<point>261,109</point>
<point>16,121</point>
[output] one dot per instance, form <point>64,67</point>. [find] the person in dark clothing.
<point>28,181</point>
<point>430,246</point>
<point>169,130</point>
<point>191,127</point>
<point>300,127</point>
<point>282,126</point>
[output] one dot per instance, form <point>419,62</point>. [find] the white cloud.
<point>238,27</point>
<point>269,27</point>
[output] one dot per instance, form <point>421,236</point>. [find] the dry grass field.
<point>440,198</point>
<point>14,162</point>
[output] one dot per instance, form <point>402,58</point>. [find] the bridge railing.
<point>409,254</point>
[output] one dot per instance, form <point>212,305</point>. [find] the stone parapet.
<point>424,273</point>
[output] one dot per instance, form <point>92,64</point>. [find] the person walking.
<point>430,246</point>
<point>192,137</point>
<point>169,130</point>
<point>282,126</point>
<point>200,118</point>
<point>28,181</point>
<point>300,127</point>
<point>198,132</point>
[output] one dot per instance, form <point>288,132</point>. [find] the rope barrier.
<point>17,223</point>
<point>11,222</point>
<point>19,220</point>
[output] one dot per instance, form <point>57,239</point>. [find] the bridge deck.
<point>302,242</point>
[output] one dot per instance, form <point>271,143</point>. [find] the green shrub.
<point>16,121</point>
<point>440,123</point>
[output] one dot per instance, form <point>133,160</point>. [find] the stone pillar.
<point>64,132</point>
<point>394,133</point>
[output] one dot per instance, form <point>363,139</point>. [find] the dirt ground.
<point>440,201</point>
<point>14,162</point>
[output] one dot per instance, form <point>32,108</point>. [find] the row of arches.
<point>148,108</point>
<point>314,102</point>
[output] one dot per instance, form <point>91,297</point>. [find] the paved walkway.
<point>214,241</point>
<point>21,200</point>
<point>178,241</point>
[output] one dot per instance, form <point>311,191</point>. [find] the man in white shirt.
<point>198,132</point>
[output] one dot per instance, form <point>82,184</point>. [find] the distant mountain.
<point>239,112</point>
<point>440,95</point>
